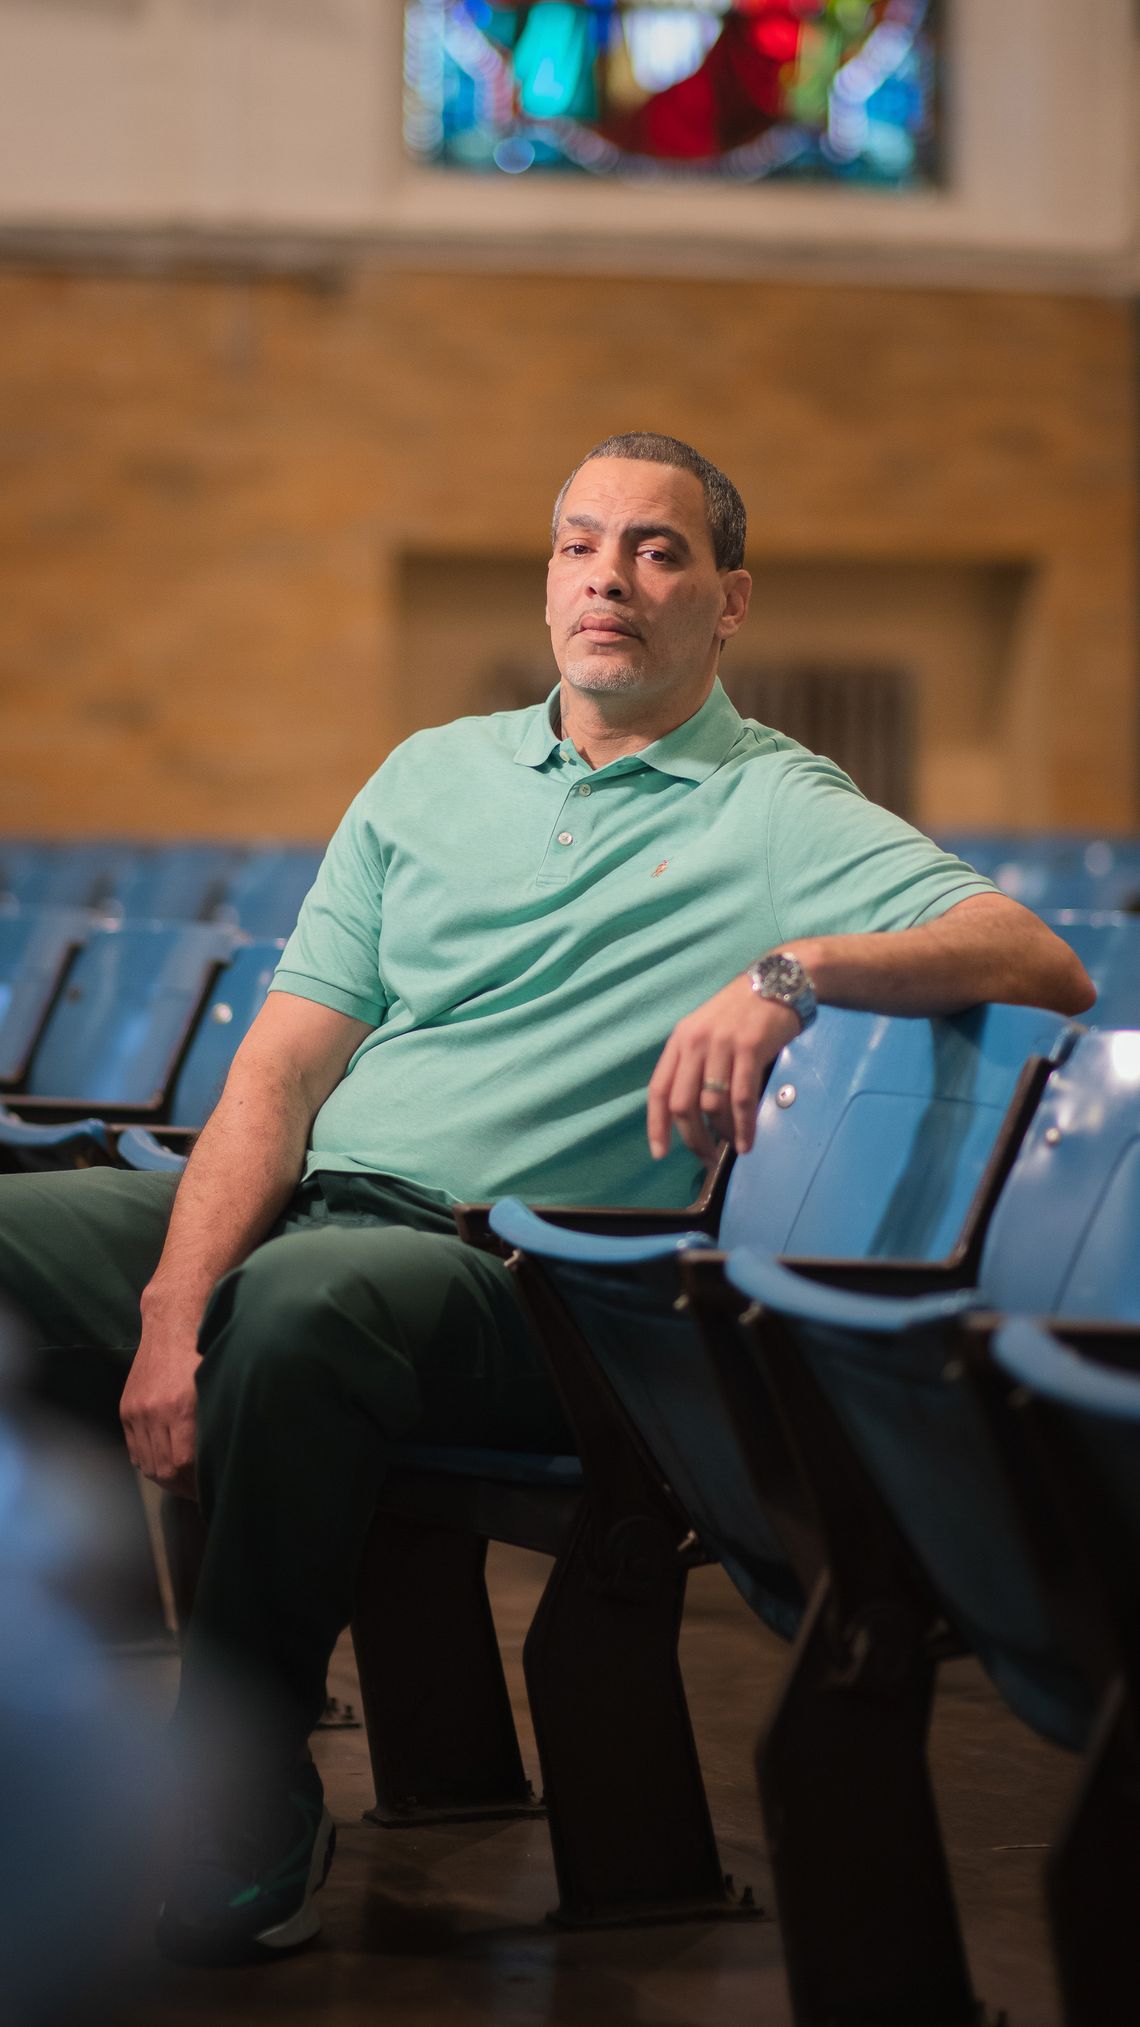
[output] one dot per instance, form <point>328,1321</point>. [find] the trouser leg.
<point>76,1251</point>
<point>318,1353</point>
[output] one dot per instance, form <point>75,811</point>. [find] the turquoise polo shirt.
<point>523,931</point>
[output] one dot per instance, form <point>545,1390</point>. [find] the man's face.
<point>634,600</point>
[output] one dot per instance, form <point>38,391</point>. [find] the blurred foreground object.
<point>78,1757</point>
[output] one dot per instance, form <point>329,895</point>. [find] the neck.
<point>605,728</point>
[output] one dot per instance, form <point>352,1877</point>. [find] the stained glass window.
<point>741,90</point>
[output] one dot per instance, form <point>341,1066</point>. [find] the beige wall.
<point>265,117</point>
<point>250,534</point>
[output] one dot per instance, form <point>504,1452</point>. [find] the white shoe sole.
<point>306,1922</point>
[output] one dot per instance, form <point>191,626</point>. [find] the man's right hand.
<point>242,1172</point>
<point>159,1407</point>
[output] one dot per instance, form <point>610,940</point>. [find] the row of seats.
<point>882,1150</point>
<point>134,1024</point>
<point>896,1388</point>
<point>260,887</point>
<point>257,888</point>
<point>1046,871</point>
<point>102,1026</point>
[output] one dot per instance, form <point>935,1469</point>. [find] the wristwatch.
<point>780,976</point>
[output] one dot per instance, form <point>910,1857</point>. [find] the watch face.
<point>781,976</point>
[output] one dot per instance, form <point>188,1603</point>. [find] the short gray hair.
<point>724,508</point>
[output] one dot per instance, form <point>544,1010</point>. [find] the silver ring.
<point>711,1084</point>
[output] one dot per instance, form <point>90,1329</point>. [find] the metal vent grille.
<point>862,717</point>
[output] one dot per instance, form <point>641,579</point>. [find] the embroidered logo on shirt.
<point>658,870</point>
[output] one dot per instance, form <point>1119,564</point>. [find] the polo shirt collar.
<point>691,751</point>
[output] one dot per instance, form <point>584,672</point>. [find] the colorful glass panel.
<point>743,90</point>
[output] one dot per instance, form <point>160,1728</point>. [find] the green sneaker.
<point>244,1887</point>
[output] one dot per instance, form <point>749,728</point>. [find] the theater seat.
<point>1109,948</point>
<point>236,997</point>
<point>878,1142</point>
<point>36,946</point>
<point>112,1041</point>
<point>929,1508</point>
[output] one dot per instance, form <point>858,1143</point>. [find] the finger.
<point>716,1088</point>
<point>685,1107</point>
<point>659,1121</point>
<point>131,1441</point>
<point>158,1464</point>
<point>140,1447</point>
<point>747,1071</point>
<point>183,1452</point>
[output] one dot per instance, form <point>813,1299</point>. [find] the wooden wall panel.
<point>208,488</point>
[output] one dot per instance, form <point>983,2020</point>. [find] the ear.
<point>737,589</point>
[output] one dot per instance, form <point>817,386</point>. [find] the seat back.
<point>1091,1439</point>
<point>264,895</point>
<point>1056,870</point>
<point>35,947</point>
<point>117,1031</point>
<point>930,1454</point>
<point>236,996</point>
<point>1063,1238</point>
<point>60,874</point>
<point>171,883</point>
<point>875,1133</point>
<point>654,1362</point>
<point>1109,948</point>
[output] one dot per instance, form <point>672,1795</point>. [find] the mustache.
<point>600,615</point>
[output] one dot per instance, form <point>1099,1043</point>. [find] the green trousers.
<point>361,1322</point>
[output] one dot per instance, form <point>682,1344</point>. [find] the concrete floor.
<point>446,1926</point>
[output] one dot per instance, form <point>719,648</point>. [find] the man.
<point>524,925</point>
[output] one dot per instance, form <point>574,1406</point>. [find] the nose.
<point>608,577</point>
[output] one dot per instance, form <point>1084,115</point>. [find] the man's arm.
<point>984,948</point>
<point>242,1172</point>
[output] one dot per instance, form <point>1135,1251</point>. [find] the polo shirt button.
<point>585,788</point>
<point>565,837</point>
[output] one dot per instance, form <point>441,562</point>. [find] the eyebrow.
<point>640,530</point>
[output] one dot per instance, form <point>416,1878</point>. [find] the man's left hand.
<point>707,1081</point>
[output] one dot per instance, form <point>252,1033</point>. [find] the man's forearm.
<point>240,1175</point>
<point>239,1178</point>
<point>986,948</point>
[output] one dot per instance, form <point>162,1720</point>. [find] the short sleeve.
<point>333,955</point>
<point>838,863</point>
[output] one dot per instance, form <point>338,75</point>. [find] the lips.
<point>603,624</point>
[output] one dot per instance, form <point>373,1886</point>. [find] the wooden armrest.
<point>627,1221</point>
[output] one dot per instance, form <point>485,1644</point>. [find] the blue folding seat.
<point>158,882</point>
<point>1108,946</point>
<point>237,995</point>
<point>875,1138</point>
<point>113,1040</point>
<point>878,1142</point>
<point>907,1461</point>
<point>1070,1424</point>
<point>171,882</point>
<point>36,946</point>
<point>59,874</point>
<point>1047,871</point>
<point>263,895</point>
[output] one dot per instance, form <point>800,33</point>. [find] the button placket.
<point>558,862</point>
